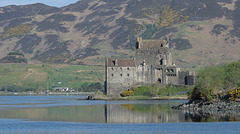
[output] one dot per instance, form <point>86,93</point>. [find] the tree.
<point>210,77</point>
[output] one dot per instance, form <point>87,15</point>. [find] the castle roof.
<point>121,63</point>
<point>152,44</point>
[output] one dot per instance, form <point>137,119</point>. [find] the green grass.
<point>157,91</point>
<point>40,76</point>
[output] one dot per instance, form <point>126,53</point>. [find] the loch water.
<point>67,114</point>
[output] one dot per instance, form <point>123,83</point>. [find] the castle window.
<point>172,70</point>
<point>128,68</point>
<point>128,75</point>
<point>161,62</point>
<point>120,68</point>
<point>121,75</point>
<point>112,68</point>
<point>112,75</point>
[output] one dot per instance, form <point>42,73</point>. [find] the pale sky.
<point>56,3</point>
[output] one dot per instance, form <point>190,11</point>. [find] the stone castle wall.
<point>153,64</point>
<point>119,79</point>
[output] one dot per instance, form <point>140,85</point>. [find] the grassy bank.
<point>157,92</point>
<point>46,76</point>
<point>139,97</point>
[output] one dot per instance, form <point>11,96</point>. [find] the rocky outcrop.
<point>215,106</point>
<point>96,97</point>
<point>218,108</point>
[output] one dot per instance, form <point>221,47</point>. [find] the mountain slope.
<point>202,32</point>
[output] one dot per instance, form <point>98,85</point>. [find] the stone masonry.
<point>153,64</point>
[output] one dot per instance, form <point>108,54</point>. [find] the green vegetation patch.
<point>218,82</point>
<point>157,91</point>
<point>14,57</point>
<point>150,30</point>
<point>30,77</point>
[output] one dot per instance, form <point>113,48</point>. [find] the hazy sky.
<point>56,3</point>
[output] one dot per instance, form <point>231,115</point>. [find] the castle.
<point>153,64</point>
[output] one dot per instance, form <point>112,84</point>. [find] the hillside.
<point>22,77</point>
<point>202,32</point>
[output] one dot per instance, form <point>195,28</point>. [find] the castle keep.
<point>153,64</point>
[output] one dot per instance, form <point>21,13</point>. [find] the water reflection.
<point>108,113</point>
<point>142,113</point>
<point>60,113</point>
<point>160,112</point>
<point>212,116</point>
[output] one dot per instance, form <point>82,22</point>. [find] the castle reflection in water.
<point>141,113</point>
<point>144,112</point>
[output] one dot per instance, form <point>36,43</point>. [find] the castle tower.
<point>139,42</point>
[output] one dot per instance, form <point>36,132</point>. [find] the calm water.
<point>66,114</point>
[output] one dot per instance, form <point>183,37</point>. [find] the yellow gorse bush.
<point>15,31</point>
<point>127,93</point>
<point>234,94</point>
<point>163,17</point>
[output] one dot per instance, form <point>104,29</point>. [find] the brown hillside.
<point>202,32</point>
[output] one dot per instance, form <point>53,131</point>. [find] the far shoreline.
<point>101,97</point>
<point>98,97</point>
<point>43,93</point>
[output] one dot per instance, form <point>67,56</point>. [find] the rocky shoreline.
<point>214,105</point>
<point>217,108</point>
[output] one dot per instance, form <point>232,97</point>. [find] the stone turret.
<point>166,42</point>
<point>139,42</point>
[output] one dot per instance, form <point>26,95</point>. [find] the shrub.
<point>16,53</point>
<point>207,94</point>
<point>142,91</point>
<point>127,93</point>
<point>234,94</point>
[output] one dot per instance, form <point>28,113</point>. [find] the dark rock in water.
<point>96,97</point>
<point>216,105</point>
<point>217,108</point>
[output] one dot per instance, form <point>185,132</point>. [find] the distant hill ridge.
<point>202,32</point>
